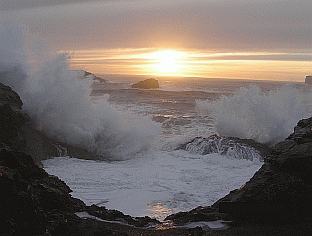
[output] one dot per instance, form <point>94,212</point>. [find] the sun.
<point>166,62</point>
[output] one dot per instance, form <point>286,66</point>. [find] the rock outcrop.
<point>281,191</point>
<point>32,202</point>
<point>147,84</point>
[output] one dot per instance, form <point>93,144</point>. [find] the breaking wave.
<point>57,98</point>
<point>252,114</point>
<point>222,146</point>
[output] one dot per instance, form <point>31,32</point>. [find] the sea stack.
<point>147,84</point>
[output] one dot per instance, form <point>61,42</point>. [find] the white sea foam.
<point>249,113</point>
<point>157,185</point>
<point>60,104</point>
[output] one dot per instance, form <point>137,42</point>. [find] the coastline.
<point>285,175</point>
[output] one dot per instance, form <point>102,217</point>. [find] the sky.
<point>244,39</point>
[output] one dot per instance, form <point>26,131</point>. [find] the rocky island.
<point>147,84</point>
<point>275,201</point>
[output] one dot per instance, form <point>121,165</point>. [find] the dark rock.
<point>114,215</point>
<point>147,84</point>
<point>30,199</point>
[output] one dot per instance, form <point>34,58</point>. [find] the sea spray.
<point>60,103</point>
<point>250,113</point>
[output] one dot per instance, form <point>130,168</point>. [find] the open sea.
<point>147,173</point>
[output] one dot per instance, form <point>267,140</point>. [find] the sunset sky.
<point>244,39</point>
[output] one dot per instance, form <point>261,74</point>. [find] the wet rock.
<point>31,200</point>
<point>147,84</point>
<point>114,215</point>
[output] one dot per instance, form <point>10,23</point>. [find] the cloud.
<point>24,4</point>
<point>212,25</point>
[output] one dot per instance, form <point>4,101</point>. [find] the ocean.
<point>152,176</point>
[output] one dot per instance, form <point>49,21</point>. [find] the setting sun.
<point>167,61</point>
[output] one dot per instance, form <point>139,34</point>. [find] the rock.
<point>31,200</point>
<point>114,215</point>
<point>281,191</point>
<point>147,84</point>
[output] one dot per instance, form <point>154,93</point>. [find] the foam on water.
<point>60,104</point>
<point>161,183</point>
<point>252,114</point>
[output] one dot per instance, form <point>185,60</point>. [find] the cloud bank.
<point>214,25</point>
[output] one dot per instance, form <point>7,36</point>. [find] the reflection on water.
<point>158,210</point>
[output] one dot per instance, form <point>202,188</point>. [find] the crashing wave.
<point>230,147</point>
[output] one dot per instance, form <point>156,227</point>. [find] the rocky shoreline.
<point>276,200</point>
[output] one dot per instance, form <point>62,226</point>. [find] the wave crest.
<point>249,113</point>
<point>59,101</point>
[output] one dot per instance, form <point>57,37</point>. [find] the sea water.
<point>163,179</point>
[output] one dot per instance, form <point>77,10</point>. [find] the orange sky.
<point>146,61</point>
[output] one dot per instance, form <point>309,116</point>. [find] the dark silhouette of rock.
<point>31,201</point>
<point>147,84</point>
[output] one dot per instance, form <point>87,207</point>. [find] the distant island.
<point>147,84</point>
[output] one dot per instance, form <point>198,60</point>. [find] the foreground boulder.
<point>31,201</point>
<point>147,84</point>
<point>281,191</point>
